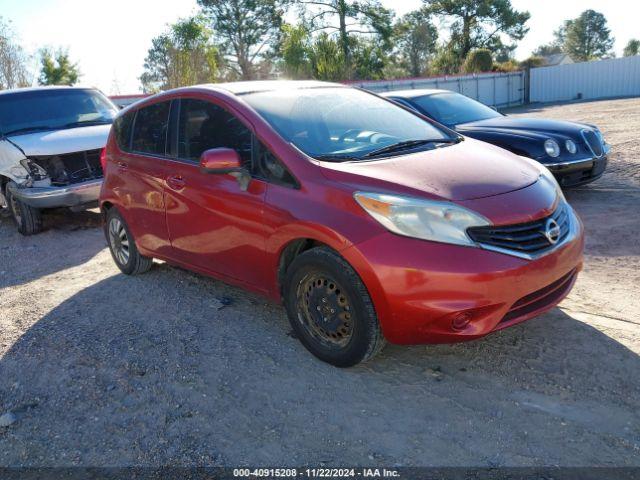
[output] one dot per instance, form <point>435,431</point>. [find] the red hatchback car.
<point>369,221</point>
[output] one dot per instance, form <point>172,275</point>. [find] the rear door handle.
<point>176,182</point>
<point>122,166</point>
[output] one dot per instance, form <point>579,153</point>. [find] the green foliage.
<point>326,59</point>
<point>322,57</point>
<point>183,56</point>
<point>479,60</point>
<point>57,69</point>
<point>346,20</point>
<point>477,24</point>
<point>586,37</point>
<point>14,72</point>
<point>508,66</point>
<point>369,59</point>
<point>446,61</point>
<point>552,48</point>
<point>532,62</point>
<point>247,29</point>
<point>632,48</point>
<point>294,49</point>
<point>414,39</point>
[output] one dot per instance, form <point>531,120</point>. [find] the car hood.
<point>522,126</point>
<point>57,142</point>
<point>465,171</point>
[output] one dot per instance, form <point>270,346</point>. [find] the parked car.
<point>366,220</point>
<point>576,153</point>
<point>50,144</point>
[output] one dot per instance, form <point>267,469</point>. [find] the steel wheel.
<point>119,241</point>
<point>324,310</point>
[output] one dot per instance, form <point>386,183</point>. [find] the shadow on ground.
<point>105,379</point>
<point>68,239</point>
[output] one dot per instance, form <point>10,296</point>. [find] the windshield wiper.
<point>330,157</point>
<point>87,122</point>
<point>27,130</point>
<point>407,145</point>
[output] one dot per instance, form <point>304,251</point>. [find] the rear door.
<point>214,225</point>
<point>142,172</point>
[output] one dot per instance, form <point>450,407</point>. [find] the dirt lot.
<point>101,369</point>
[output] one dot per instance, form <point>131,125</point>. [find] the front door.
<point>213,224</point>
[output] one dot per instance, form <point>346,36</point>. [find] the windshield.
<point>56,109</point>
<point>453,109</point>
<point>343,123</point>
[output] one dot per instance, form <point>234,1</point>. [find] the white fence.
<point>495,89</point>
<point>616,77</point>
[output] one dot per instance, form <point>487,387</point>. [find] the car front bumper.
<point>53,197</point>
<point>578,172</point>
<point>423,291</point>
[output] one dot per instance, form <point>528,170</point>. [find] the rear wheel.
<point>123,247</point>
<point>330,310</point>
<point>28,219</point>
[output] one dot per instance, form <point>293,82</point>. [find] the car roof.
<point>422,92</point>
<point>257,86</point>
<point>44,88</point>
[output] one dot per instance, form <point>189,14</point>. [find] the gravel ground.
<point>101,369</point>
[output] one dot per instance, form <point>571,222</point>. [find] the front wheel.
<point>330,310</point>
<point>28,219</point>
<point>123,247</point>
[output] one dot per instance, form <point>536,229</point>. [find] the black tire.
<point>350,332</point>
<point>122,245</point>
<point>28,219</point>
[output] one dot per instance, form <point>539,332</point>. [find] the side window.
<point>271,168</point>
<point>122,131</point>
<point>204,125</point>
<point>150,129</point>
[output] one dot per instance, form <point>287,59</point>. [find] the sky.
<point>109,39</point>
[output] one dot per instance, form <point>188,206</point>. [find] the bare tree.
<point>14,72</point>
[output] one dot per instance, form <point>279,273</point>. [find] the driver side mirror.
<point>221,161</point>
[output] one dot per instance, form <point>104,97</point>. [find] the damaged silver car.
<point>51,140</point>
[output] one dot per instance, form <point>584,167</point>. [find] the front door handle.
<point>176,182</point>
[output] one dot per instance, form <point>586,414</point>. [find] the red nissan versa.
<point>367,220</point>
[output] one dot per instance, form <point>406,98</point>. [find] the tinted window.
<point>54,109</point>
<point>150,129</point>
<point>339,121</point>
<point>203,126</point>
<point>122,130</point>
<point>454,109</point>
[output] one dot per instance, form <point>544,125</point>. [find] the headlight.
<point>571,146</point>
<point>35,171</point>
<point>424,219</point>
<point>551,147</point>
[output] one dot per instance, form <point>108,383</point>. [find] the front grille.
<point>540,299</point>
<point>526,238</point>
<point>593,142</point>
<point>71,168</point>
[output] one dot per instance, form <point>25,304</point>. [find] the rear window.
<point>150,129</point>
<point>122,130</point>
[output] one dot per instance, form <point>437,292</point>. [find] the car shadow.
<point>156,370</point>
<point>68,239</point>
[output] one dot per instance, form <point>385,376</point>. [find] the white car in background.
<point>51,139</point>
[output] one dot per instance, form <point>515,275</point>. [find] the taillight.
<point>103,159</point>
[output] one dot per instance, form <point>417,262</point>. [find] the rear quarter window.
<point>122,131</point>
<point>150,129</point>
